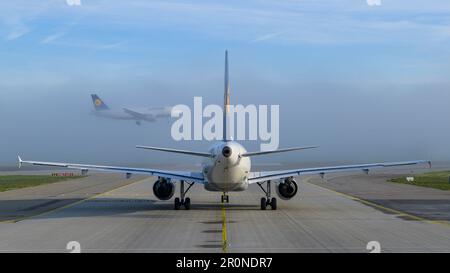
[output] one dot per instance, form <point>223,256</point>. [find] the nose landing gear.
<point>267,201</point>
<point>225,198</point>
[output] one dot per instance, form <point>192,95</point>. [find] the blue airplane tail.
<point>98,103</point>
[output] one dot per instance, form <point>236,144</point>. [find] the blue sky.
<point>309,54</point>
<point>403,41</point>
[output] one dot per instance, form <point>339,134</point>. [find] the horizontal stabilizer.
<point>278,151</point>
<point>175,151</point>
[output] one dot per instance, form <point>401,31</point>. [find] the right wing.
<point>196,177</point>
<point>270,175</point>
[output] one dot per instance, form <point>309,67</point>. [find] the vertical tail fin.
<point>98,103</point>
<point>226,102</point>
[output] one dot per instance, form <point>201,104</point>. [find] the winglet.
<point>20,161</point>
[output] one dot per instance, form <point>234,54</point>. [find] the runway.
<point>128,218</point>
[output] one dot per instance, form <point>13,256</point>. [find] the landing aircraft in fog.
<point>226,168</point>
<point>149,114</point>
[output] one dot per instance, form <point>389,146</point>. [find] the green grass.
<point>12,182</point>
<point>437,180</point>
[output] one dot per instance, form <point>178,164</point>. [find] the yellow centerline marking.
<point>398,212</point>
<point>68,205</point>
<point>224,229</point>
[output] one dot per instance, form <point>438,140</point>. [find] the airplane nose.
<point>226,151</point>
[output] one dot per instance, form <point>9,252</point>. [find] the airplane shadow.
<point>15,209</point>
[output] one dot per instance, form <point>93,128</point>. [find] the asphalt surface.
<point>428,203</point>
<point>124,216</point>
<point>26,202</point>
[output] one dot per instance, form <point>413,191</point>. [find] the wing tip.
<point>20,161</point>
<point>142,147</point>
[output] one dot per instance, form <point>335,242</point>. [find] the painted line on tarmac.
<point>224,229</point>
<point>372,204</point>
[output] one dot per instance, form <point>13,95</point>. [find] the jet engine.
<point>287,188</point>
<point>163,189</point>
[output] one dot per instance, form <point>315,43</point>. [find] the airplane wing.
<point>137,115</point>
<point>255,177</point>
<point>196,177</point>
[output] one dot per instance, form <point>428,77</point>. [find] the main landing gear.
<point>225,198</point>
<point>267,201</point>
<point>182,201</point>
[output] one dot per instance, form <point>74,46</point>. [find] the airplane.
<point>226,168</point>
<point>138,115</point>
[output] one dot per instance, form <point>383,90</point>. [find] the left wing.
<point>270,175</point>
<point>178,175</point>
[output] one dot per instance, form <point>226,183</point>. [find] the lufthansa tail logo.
<point>98,102</point>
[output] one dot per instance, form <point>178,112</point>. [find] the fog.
<point>349,124</point>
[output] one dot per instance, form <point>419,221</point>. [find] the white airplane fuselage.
<point>147,114</point>
<point>226,170</point>
<point>113,114</point>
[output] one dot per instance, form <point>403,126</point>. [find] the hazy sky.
<point>365,83</point>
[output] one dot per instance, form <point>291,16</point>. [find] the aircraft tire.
<point>273,203</point>
<point>177,204</point>
<point>187,203</point>
<point>263,203</point>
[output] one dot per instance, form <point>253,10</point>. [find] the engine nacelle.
<point>163,189</point>
<point>287,189</point>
